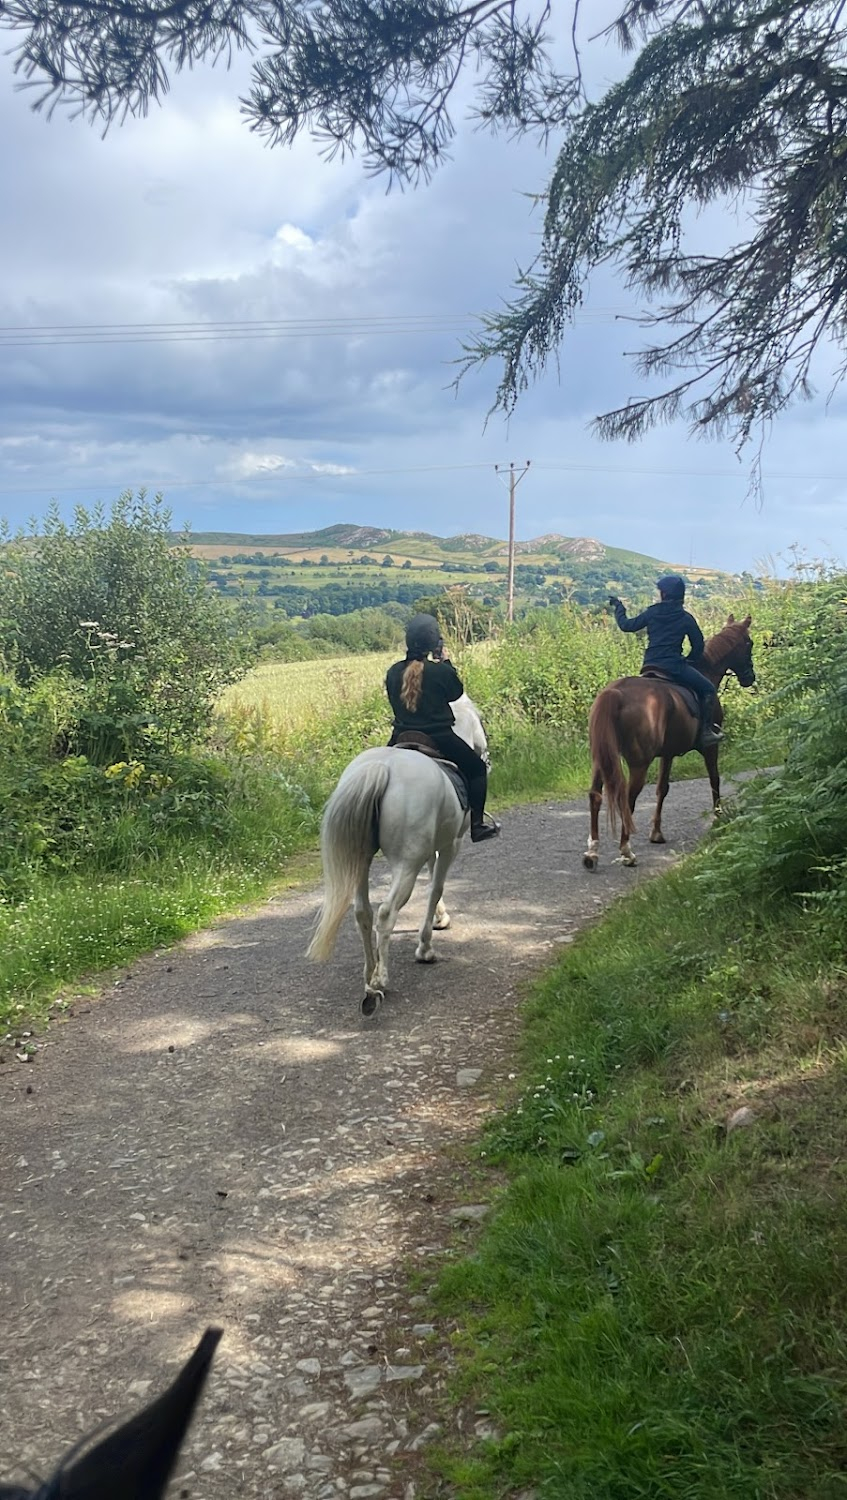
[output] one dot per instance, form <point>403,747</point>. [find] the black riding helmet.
<point>423,634</point>
<point>672,586</point>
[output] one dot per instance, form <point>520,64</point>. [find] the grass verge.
<point>71,925</point>
<point>656,1308</point>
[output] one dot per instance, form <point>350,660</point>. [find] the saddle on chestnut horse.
<point>688,695</point>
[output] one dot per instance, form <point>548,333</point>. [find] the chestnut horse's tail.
<point>604,739</point>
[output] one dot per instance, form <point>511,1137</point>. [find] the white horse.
<point>401,802</point>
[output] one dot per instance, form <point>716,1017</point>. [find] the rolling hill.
<point>345,567</point>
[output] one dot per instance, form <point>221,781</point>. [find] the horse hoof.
<point>371,1003</point>
<point>657,838</point>
<point>442,923</point>
<point>424,955</point>
<point>629,861</point>
<point>590,861</point>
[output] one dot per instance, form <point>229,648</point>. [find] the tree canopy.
<point>741,104</point>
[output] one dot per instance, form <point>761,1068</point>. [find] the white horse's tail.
<point>347,847</point>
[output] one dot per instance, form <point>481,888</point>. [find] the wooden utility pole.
<point>515,477</point>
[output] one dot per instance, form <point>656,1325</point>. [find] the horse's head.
<point>135,1460</point>
<point>732,649</point>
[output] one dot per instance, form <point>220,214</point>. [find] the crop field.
<point>354,575</point>
<point>289,696</point>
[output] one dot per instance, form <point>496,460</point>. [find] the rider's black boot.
<point>709,734</point>
<point>483,829</point>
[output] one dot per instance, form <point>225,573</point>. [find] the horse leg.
<point>424,953</point>
<point>595,802</point>
<point>441,916</point>
<point>656,835</point>
<point>710,756</point>
<point>637,778</point>
<point>365,923</point>
<point>402,885</point>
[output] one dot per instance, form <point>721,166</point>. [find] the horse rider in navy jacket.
<point>667,624</point>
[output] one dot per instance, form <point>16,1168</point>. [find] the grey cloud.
<point>177,217</point>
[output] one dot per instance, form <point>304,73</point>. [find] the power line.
<point>289,476</point>
<point>684,473</point>
<point>229,480</point>
<point>53,335</point>
<point>606,312</point>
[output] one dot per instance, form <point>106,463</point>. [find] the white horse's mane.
<point>469,725</point>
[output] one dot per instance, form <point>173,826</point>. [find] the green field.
<point>349,567</point>
<point>290,697</point>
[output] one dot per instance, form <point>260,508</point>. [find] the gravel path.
<point>218,1138</point>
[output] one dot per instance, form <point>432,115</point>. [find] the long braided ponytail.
<point>412,685</point>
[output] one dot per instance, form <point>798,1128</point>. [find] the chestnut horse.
<point>640,718</point>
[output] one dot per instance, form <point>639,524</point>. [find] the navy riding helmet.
<point>672,586</point>
<point>423,634</point>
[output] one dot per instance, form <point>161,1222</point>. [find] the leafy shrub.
<point>788,835</point>
<point>110,603</point>
<point>68,815</point>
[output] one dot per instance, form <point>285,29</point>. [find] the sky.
<point>185,217</point>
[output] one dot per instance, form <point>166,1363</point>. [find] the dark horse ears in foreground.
<point>135,1461</point>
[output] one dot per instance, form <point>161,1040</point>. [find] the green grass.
<point>122,903</point>
<point>294,698</point>
<point>72,927</point>
<point>657,1308</point>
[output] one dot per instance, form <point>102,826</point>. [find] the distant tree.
<point>726,102</point>
<point>460,616</point>
<point>407,563</point>
<point>387,562</point>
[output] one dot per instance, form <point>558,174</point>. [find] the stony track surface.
<point>218,1138</point>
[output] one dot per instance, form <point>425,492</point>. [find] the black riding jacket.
<point>441,686</point>
<point>667,625</point>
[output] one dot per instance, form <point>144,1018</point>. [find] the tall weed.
<point>788,832</point>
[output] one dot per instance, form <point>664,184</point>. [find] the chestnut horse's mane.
<point>719,646</point>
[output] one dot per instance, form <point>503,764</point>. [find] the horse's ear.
<point>746,623</point>
<point>730,619</point>
<point>135,1461</point>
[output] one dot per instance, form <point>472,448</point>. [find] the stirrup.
<point>485,830</point>
<point>709,735</point>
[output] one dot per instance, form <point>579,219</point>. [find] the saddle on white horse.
<point>416,739</point>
